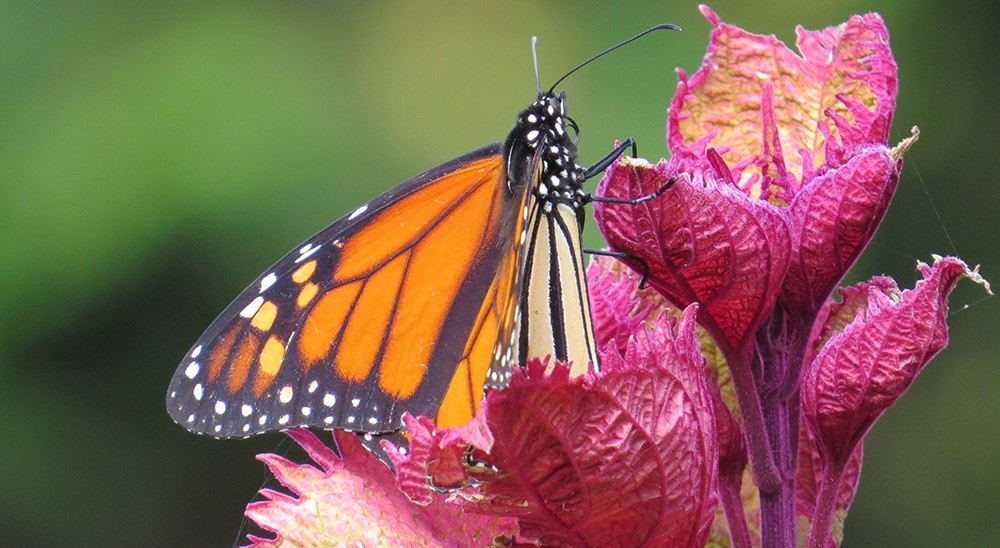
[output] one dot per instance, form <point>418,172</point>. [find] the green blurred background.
<point>154,158</point>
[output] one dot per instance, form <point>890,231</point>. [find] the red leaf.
<point>625,457</point>
<point>615,305</point>
<point>703,242</point>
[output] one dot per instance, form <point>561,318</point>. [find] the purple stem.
<point>765,471</point>
<point>780,351</point>
<point>777,508</point>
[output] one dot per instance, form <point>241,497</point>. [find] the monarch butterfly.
<point>415,301</point>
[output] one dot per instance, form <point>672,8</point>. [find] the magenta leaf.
<point>354,500</point>
<point>617,305</point>
<point>703,242</point>
<point>834,217</point>
<point>861,371</point>
<point>807,130</point>
<point>875,342</point>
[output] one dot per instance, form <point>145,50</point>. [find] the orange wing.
<point>403,305</point>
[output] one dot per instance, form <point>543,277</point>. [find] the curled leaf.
<point>861,371</point>
<point>838,91</point>
<point>703,241</point>
<point>615,303</point>
<point>833,218</point>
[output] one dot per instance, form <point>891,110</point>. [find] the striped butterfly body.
<point>414,302</point>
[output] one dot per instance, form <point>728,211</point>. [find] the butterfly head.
<point>541,149</point>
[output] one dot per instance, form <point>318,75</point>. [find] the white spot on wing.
<point>306,251</point>
<point>285,395</point>
<point>356,402</point>
<point>191,370</point>
<point>252,308</point>
<point>306,411</point>
<point>268,281</point>
<point>328,420</point>
<point>220,407</point>
<point>196,352</point>
<point>198,391</point>
<point>313,386</point>
<point>283,420</point>
<point>246,410</point>
<point>329,400</point>
<point>357,212</point>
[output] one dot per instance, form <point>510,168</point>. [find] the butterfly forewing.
<point>390,308</point>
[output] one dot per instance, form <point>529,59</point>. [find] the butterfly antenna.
<point>663,26</point>
<point>534,57</point>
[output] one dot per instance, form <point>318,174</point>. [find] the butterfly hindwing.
<point>400,305</point>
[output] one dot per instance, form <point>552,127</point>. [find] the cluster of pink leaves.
<point>782,174</point>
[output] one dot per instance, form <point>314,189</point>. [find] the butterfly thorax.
<point>540,141</point>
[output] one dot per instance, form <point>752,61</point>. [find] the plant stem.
<point>826,504</point>
<point>732,506</point>
<point>765,471</point>
<point>777,507</point>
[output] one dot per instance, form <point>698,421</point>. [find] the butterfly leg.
<point>633,201</point>
<point>623,255</point>
<point>603,164</point>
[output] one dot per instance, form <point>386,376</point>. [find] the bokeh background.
<point>154,158</point>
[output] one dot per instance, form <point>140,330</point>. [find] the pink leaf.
<point>353,500</point>
<point>839,92</point>
<point>615,306</point>
<point>861,371</point>
<point>833,218</point>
